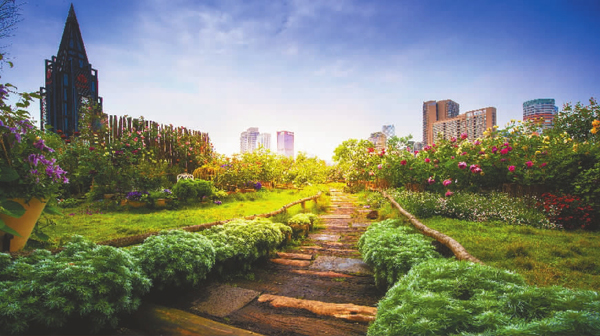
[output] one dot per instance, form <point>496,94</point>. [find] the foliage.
<point>576,120</point>
<point>241,242</point>
<point>304,218</point>
<point>353,159</point>
<point>568,211</point>
<point>475,207</point>
<point>96,283</point>
<point>392,250</point>
<point>175,258</point>
<point>28,167</point>
<point>188,190</point>
<point>443,297</point>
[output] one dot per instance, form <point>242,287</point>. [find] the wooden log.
<point>327,274</point>
<point>159,320</point>
<point>346,311</point>
<point>459,251</point>
<point>291,262</point>
<point>297,256</point>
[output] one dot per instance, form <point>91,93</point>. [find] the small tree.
<point>577,120</point>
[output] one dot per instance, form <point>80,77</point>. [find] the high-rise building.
<point>379,140</point>
<point>264,139</point>
<point>437,111</point>
<point>473,123</point>
<point>540,108</point>
<point>388,130</point>
<point>248,140</point>
<point>285,143</point>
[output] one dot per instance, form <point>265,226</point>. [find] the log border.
<point>459,251</point>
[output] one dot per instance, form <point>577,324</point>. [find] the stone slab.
<point>222,300</point>
<point>324,237</point>
<point>341,265</point>
<point>335,216</point>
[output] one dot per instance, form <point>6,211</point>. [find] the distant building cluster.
<point>540,108</point>
<point>442,118</point>
<point>379,139</point>
<point>251,139</point>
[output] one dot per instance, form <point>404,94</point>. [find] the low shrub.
<point>241,242</point>
<point>568,211</point>
<point>392,250</point>
<point>445,297</point>
<point>188,190</point>
<point>94,283</point>
<point>175,258</point>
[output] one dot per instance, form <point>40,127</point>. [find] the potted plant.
<point>29,173</point>
<point>136,199</point>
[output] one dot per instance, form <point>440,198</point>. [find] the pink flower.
<point>427,160</point>
<point>371,173</point>
<point>431,180</point>
<point>463,153</point>
<point>453,139</point>
<point>416,152</point>
<point>379,166</point>
<point>502,160</point>
<point>462,165</point>
<point>494,149</point>
<point>504,151</point>
<point>427,148</point>
<point>449,193</point>
<point>447,182</point>
<point>543,165</point>
<point>477,142</point>
<point>464,136</point>
<point>452,157</point>
<point>476,170</point>
<point>511,168</point>
<point>403,162</point>
<point>529,164</point>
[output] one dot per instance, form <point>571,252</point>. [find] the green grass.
<point>99,225</point>
<point>544,257</point>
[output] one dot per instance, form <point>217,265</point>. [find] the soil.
<point>329,271</point>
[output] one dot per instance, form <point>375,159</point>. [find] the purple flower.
<point>217,202</point>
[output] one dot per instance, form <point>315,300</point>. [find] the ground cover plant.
<point>100,222</point>
<point>241,242</point>
<point>392,249</point>
<point>447,297</point>
<point>175,259</point>
<point>86,283</point>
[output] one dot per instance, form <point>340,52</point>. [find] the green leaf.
<point>12,208</point>
<point>7,229</point>
<point>8,174</point>
<point>52,210</point>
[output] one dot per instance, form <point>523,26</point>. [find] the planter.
<point>133,204</point>
<point>23,225</point>
<point>161,203</point>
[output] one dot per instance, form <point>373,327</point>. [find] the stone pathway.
<point>319,288</point>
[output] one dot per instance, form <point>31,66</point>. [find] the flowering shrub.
<point>136,195</point>
<point>568,211</point>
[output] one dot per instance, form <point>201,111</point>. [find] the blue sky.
<point>328,70</point>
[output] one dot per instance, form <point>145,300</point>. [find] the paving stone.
<point>324,236</point>
<point>222,300</point>
<point>335,216</point>
<point>342,265</point>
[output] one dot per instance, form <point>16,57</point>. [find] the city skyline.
<point>329,70</point>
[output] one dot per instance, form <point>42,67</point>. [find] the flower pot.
<point>136,204</point>
<point>23,225</point>
<point>161,202</point>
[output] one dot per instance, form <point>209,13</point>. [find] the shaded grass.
<point>99,225</point>
<point>544,257</point>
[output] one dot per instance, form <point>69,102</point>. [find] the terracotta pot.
<point>136,204</point>
<point>23,225</point>
<point>161,202</point>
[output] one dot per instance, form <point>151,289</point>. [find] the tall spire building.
<point>70,81</point>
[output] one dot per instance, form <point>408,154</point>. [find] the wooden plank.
<point>346,311</point>
<point>159,320</point>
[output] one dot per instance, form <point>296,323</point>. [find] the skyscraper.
<point>473,123</point>
<point>264,139</point>
<point>540,108</point>
<point>285,143</point>
<point>248,140</point>
<point>388,130</point>
<point>437,111</point>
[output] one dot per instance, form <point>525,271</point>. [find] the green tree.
<point>577,120</point>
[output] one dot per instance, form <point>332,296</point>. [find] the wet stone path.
<point>319,288</point>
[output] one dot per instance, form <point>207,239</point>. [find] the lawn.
<point>544,257</point>
<point>98,221</point>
